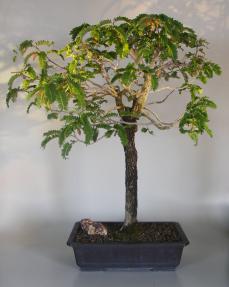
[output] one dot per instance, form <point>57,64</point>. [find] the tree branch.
<point>50,60</point>
<point>107,78</point>
<point>158,123</point>
<point>164,99</point>
<point>142,94</point>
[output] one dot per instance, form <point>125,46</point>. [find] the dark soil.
<point>138,232</point>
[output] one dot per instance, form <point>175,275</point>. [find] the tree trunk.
<point>131,178</point>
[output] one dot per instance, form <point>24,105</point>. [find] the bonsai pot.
<point>92,256</point>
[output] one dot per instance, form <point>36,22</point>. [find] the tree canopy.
<point>107,77</point>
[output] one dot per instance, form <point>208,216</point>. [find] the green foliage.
<point>78,92</point>
<point>154,82</point>
<point>113,58</point>
<point>50,92</point>
<point>147,130</point>
<point>12,79</point>
<point>43,60</point>
<point>24,46</point>
<point>122,134</point>
<point>48,136</point>
<point>44,43</point>
<point>195,120</point>
<point>11,96</point>
<point>29,106</point>
<point>62,99</point>
<point>52,116</point>
<point>75,32</point>
<point>125,75</point>
<point>66,149</point>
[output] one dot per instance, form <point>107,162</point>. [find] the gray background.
<point>42,195</point>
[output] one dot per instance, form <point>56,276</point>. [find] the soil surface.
<point>138,232</point>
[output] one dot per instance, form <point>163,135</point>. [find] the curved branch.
<point>158,123</point>
<point>50,60</point>
<point>164,99</point>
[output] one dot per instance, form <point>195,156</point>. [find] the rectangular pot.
<point>124,255</point>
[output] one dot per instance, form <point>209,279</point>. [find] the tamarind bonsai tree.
<point>107,80</point>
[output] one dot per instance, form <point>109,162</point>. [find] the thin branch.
<point>107,78</point>
<point>155,115</point>
<point>50,60</point>
<point>164,99</point>
<point>128,123</point>
<point>95,84</point>
<point>54,63</point>
<point>158,123</point>
<point>82,141</point>
<point>164,88</point>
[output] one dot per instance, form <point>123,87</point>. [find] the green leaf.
<point>208,71</point>
<point>48,136</point>
<point>25,45</point>
<point>15,55</point>
<point>194,137</point>
<point>129,74</point>
<point>208,131</point>
<point>62,99</point>
<point>25,84</point>
<point>172,50</point>
<point>65,132</point>
<point>144,130</point>
<point>125,50</point>
<point>217,69</point>
<point>122,18</point>
<point>11,96</point>
<point>79,92</point>
<point>66,149</point>
<point>31,72</point>
<point>202,78</point>
<point>30,105</point>
<point>50,92</point>
<point>122,134</point>
<point>42,60</point>
<point>87,128</point>
<point>44,43</point>
<point>12,79</point>
<point>105,22</point>
<point>109,133</point>
<point>75,31</point>
<point>116,77</point>
<point>52,116</point>
<point>14,58</point>
<point>154,82</point>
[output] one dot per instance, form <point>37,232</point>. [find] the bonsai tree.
<point>107,80</point>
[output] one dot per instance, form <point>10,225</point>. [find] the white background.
<point>177,181</point>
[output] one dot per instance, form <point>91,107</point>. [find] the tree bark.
<point>131,177</point>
